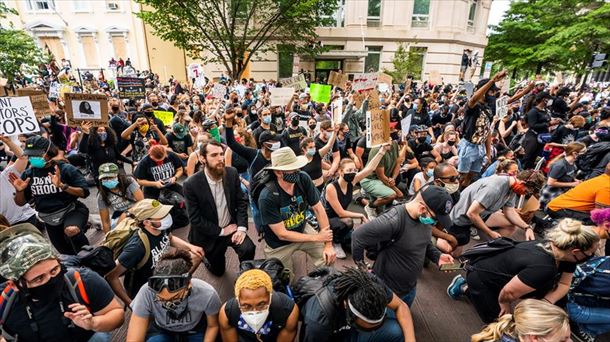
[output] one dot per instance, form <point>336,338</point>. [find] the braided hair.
<point>363,290</point>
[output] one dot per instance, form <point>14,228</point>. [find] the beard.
<point>218,171</point>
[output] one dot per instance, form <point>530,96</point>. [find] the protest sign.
<point>358,99</point>
<point>384,78</point>
<point>374,99</point>
<point>383,87</point>
<point>320,92</point>
<point>219,91</point>
<point>405,125</point>
<point>195,71</point>
<point>296,82</point>
<point>364,81</point>
<point>408,85</point>
<point>505,87</point>
<point>280,96</point>
<point>131,87</point>
<point>54,90</point>
<point>337,110</point>
<point>338,79</point>
<point>38,99</point>
<point>166,117</point>
<point>469,87</point>
<point>86,107</point>
<point>17,116</point>
<point>502,107</point>
<point>487,70</point>
<point>435,77</point>
<point>377,127</point>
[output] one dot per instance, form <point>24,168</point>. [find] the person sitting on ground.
<point>601,218</point>
<point>117,192</point>
<point>160,169</point>
<point>533,320</point>
<point>173,306</point>
<point>562,173</point>
<point>426,175</point>
<point>257,313</point>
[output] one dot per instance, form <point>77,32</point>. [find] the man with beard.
<point>218,209</point>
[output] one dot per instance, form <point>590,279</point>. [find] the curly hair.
<point>600,216</point>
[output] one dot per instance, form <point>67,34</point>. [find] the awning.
<point>343,54</point>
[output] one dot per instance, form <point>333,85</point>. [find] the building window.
<point>41,5</point>
<point>418,63</point>
<point>337,19</point>
<point>421,13</point>
<point>373,18</point>
<point>81,6</point>
<point>373,59</point>
<point>472,12</point>
<point>112,5</point>
<point>285,59</point>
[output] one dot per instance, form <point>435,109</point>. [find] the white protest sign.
<point>280,96</point>
<point>54,90</point>
<point>17,116</point>
<point>337,109</point>
<point>383,87</point>
<point>502,107</point>
<point>364,81</point>
<point>195,70</point>
<point>296,82</point>
<point>487,70</point>
<point>219,91</point>
<point>405,125</point>
<point>469,87</point>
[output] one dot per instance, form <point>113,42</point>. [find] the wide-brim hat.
<point>284,159</point>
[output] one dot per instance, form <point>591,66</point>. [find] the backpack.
<point>591,283</point>
<point>280,276</point>
<point>488,249</point>
<point>179,214</point>
<point>9,294</point>
<point>98,259</point>
<point>117,238</point>
<point>591,159</point>
<point>307,286</point>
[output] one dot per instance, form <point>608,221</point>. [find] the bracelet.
<point>65,187</point>
<point>528,227</point>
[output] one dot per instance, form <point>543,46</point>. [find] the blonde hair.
<point>570,233</point>
<point>531,317</point>
<point>252,280</point>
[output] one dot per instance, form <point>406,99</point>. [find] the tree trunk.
<point>514,74</point>
<point>539,68</point>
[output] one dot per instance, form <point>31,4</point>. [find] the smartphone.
<point>452,267</point>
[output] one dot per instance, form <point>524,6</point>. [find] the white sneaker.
<point>339,251</point>
<point>474,233</point>
<point>371,213</point>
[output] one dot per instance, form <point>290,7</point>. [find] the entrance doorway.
<point>324,67</point>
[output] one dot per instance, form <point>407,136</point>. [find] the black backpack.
<point>280,276</point>
<point>307,286</point>
<point>179,214</point>
<point>591,159</point>
<point>98,259</point>
<point>487,249</point>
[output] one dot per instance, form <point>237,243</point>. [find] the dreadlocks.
<point>363,290</point>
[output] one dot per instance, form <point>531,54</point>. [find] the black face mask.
<point>349,177</point>
<point>421,140</point>
<point>115,108</point>
<point>154,104</point>
<point>51,290</point>
<point>294,122</point>
<point>148,114</point>
<point>451,142</point>
<point>312,127</point>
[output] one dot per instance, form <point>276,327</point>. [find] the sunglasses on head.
<point>173,283</point>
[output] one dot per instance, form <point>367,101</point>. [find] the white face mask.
<point>276,145</point>
<point>452,187</point>
<point>255,319</point>
<point>166,222</point>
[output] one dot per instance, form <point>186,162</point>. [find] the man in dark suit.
<point>218,210</point>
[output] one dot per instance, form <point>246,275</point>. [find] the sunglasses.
<point>451,179</point>
<point>173,283</point>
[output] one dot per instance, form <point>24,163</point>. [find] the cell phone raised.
<point>452,267</point>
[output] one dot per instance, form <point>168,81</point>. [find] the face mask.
<point>311,152</point>
<point>37,162</point>
<point>267,119</point>
<point>176,308</point>
<point>115,108</point>
<point>110,183</point>
<point>215,133</point>
<point>421,140</point>
<point>294,122</point>
<point>549,103</point>
<point>451,142</point>
<point>143,129</point>
<point>166,223</point>
<point>194,131</point>
<point>154,104</point>
<point>589,119</point>
<point>312,127</point>
<point>51,290</point>
<point>427,220</point>
<point>275,146</point>
<point>291,177</point>
<point>452,187</point>
<point>430,172</point>
<point>415,106</point>
<point>349,177</point>
<point>519,188</point>
<point>103,136</point>
<point>255,319</point>
<point>195,108</point>
<point>327,135</point>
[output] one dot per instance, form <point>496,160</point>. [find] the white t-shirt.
<point>8,208</point>
<point>419,176</point>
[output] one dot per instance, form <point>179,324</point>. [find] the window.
<point>374,13</point>
<point>81,6</point>
<point>418,60</point>
<point>337,19</point>
<point>373,59</point>
<point>285,58</point>
<point>421,13</point>
<point>472,12</point>
<point>41,5</point>
<point>112,5</point>
<point>240,8</point>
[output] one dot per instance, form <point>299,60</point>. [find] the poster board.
<point>166,117</point>
<point>219,91</point>
<point>39,100</point>
<point>384,78</point>
<point>320,92</point>
<point>280,96</point>
<point>435,77</point>
<point>338,79</point>
<point>131,87</point>
<point>377,127</point>
<point>337,110</point>
<point>502,107</point>
<point>17,116</point>
<point>296,82</point>
<point>374,99</point>
<point>86,107</point>
<point>487,70</point>
<point>469,88</point>
<point>366,81</point>
<point>358,99</point>
<point>405,125</point>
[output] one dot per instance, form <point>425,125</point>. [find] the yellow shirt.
<point>585,197</point>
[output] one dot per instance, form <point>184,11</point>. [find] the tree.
<point>232,32</point>
<point>19,52</point>
<point>406,62</point>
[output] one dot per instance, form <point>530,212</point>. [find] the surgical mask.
<point>143,129</point>
<point>194,130</point>
<point>103,136</point>
<point>37,162</point>
<point>327,135</point>
<point>255,319</point>
<point>110,183</point>
<point>294,122</point>
<point>166,223</point>
<point>267,119</point>
<point>451,142</point>
<point>430,172</point>
<point>452,187</point>
<point>349,177</point>
<point>291,177</point>
<point>311,152</point>
<point>427,220</point>
<point>415,106</point>
<point>275,146</point>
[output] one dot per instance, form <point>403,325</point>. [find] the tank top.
<point>344,198</point>
<point>314,167</point>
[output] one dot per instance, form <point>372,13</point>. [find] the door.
<point>324,67</point>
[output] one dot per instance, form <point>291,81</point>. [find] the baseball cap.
<point>36,146</point>
<point>108,170</point>
<point>267,136</point>
<point>484,82</point>
<point>147,107</point>
<point>149,209</point>
<point>439,201</point>
<point>179,130</point>
<point>21,247</point>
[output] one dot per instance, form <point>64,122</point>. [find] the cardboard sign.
<point>502,107</point>
<point>374,99</point>
<point>86,107</point>
<point>364,81</point>
<point>280,96</point>
<point>505,87</point>
<point>54,89</point>
<point>358,99</point>
<point>337,79</point>
<point>320,92</point>
<point>337,110</point>
<point>384,78</point>
<point>38,99</point>
<point>408,86</point>
<point>296,82</point>
<point>166,117</point>
<point>377,127</point>
<point>17,116</point>
<point>435,77</point>
<point>131,87</point>
<point>219,91</point>
<point>405,125</point>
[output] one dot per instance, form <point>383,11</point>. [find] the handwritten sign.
<point>320,92</point>
<point>374,99</point>
<point>296,82</point>
<point>131,87</point>
<point>435,77</point>
<point>337,110</point>
<point>166,117</point>
<point>377,127</point>
<point>86,107</point>
<point>338,79</point>
<point>364,81</point>
<point>280,96</point>
<point>358,99</point>
<point>405,125</point>
<point>384,78</point>
<point>502,107</point>
<point>17,116</point>
<point>219,91</point>
<point>38,99</point>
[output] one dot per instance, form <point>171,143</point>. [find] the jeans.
<point>390,331</point>
<point>101,337</point>
<point>409,297</point>
<point>256,216</point>
<point>595,321</point>
<point>163,337</point>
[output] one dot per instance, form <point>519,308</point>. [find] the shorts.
<point>376,189</point>
<point>462,233</point>
<point>463,68</point>
<point>470,157</point>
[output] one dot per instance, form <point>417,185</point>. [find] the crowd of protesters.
<point>310,182</point>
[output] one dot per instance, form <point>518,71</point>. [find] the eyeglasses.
<point>451,179</point>
<point>257,307</point>
<point>173,283</point>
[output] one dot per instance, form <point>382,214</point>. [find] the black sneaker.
<point>579,335</point>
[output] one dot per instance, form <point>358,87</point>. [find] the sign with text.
<point>374,99</point>
<point>405,125</point>
<point>86,107</point>
<point>435,77</point>
<point>131,87</point>
<point>17,116</point>
<point>487,70</point>
<point>338,79</point>
<point>337,109</point>
<point>469,87</point>
<point>320,92</point>
<point>219,91</point>
<point>39,101</point>
<point>502,107</point>
<point>384,78</point>
<point>358,99</point>
<point>166,117</point>
<point>280,96</point>
<point>377,127</point>
<point>296,82</point>
<point>364,81</point>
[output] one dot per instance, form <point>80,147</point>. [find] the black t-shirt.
<point>278,206</point>
<point>239,163</point>
<point>343,146</point>
<point>179,145</point>
<point>314,167</point>
<point>149,170</point>
<point>48,315</point>
<point>420,118</point>
<point>258,130</point>
<point>421,150</point>
<point>320,144</point>
<point>280,309</point>
<point>477,123</point>
<point>365,155</point>
<point>134,252</point>
<point>538,120</point>
<point>564,135</point>
<point>292,138</point>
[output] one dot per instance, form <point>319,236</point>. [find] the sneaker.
<point>454,290</point>
<point>339,251</point>
<point>371,213</point>
<point>474,233</point>
<point>579,335</point>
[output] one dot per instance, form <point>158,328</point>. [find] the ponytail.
<point>494,331</point>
